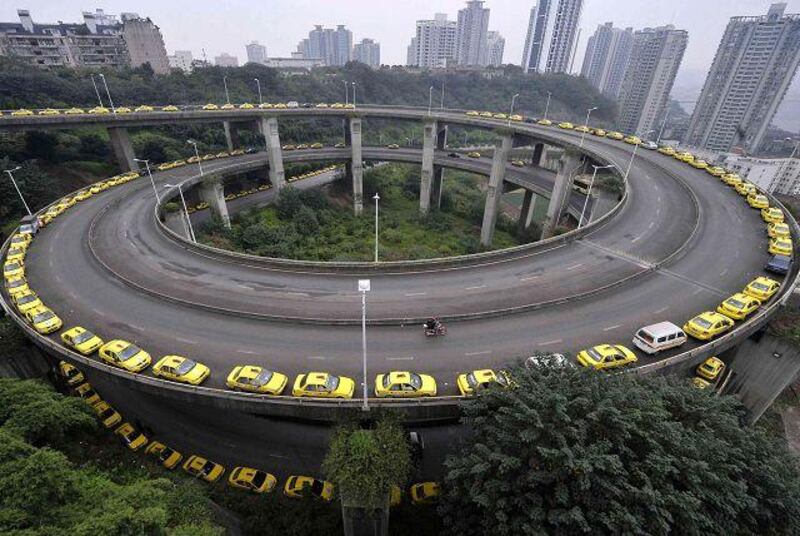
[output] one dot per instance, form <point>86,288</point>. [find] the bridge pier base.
<point>123,150</point>
<point>526,212</point>
<point>213,192</point>
<point>277,175</point>
<point>538,151</point>
<point>494,192</point>
<point>438,171</point>
<point>567,169</point>
<point>429,136</point>
<point>356,165</point>
<point>231,135</point>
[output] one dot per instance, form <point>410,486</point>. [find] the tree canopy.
<point>575,451</point>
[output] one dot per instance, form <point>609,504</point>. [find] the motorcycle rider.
<point>432,324</point>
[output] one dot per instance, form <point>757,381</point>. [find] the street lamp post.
<point>354,94</point>
<point>185,210</point>
<point>363,288</point>
<point>147,166</point>
<point>96,91</point>
<point>19,193</point>
<point>113,110</point>
<point>589,191</point>
<point>197,154</point>
<point>586,123</point>
<point>227,95</point>
<point>377,198</point>
<point>630,164</point>
<point>346,93</point>
<point>258,84</point>
<point>547,106</point>
<point>511,112</point>
<point>430,99</point>
<point>441,101</point>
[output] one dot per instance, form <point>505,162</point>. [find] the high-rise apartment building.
<point>333,47</point>
<point>648,80</point>
<point>473,25</point>
<point>434,43</point>
<point>752,69</point>
<point>607,55</point>
<point>226,60</point>
<point>181,59</point>
<point>256,53</point>
<point>368,52</point>
<point>411,53</point>
<point>551,37</point>
<point>495,46</point>
<point>100,41</point>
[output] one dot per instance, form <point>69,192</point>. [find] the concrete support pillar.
<point>231,135</point>
<point>495,190</point>
<point>526,212</point>
<point>438,171</point>
<point>426,179</point>
<point>538,151</point>
<point>213,193</point>
<point>123,150</point>
<point>269,127</point>
<point>356,165</point>
<point>568,166</point>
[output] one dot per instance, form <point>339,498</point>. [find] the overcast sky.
<point>226,26</point>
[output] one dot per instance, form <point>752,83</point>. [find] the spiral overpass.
<point>679,243</point>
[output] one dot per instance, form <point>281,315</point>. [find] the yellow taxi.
<point>27,301</point>
<point>16,255</point>
<point>252,480</point>
<point>582,128</point>
<point>633,140</point>
<point>88,394</point>
<point>758,201</point>
<point>470,383</point>
<point>515,117</point>
<point>762,288</point>
<point>339,106</point>
<point>302,146</point>
<point>227,106</point>
<point>99,110</point>
<point>21,240</point>
<point>321,105</point>
<point>49,111</point>
<point>107,414</point>
<point>732,179</point>
<point>199,467</point>
<point>71,374</point>
<point>290,147</point>
<point>685,156</point>
<point>210,106</point>
<point>316,145</point>
<point>280,106</point>
<point>778,230</point>
<point>566,125</point>
<point>181,369</point>
<point>715,171</point>
<point>21,112</point>
<point>699,164</point>
<point>425,493</point>
<point>486,114</point>
<point>123,110</point>
<point>297,486</point>
<point>474,154</point>
<point>256,380</point>
<point>739,306</point>
<point>518,163</point>
<point>170,108</point>
<point>745,188</point>
<point>246,106</point>
<point>708,325</point>
<point>544,122</point>
<point>125,355</point>
<point>667,150</point>
<point>711,368</point>
<point>166,456</point>
<point>131,437</point>
<point>614,135</point>
<point>143,108</point>
<point>83,195</point>
<point>165,166</point>
<point>350,106</point>
<point>97,188</point>
<point>323,385</point>
<point>401,384</point>
<point>13,269</point>
<point>74,111</point>
<point>16,286</point>
<point>606,356</point>
<point>81,340</point>
<point>599,132</point>
<point>772,215</point>
<point>43,320</point>
<point>780,246</point>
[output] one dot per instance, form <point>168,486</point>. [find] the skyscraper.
<point>654,61</point>
<point>145,43</point>
<point>256,53</point>
<point>473,25</point>
<point>552,27</point>
<point>435,42</point>
<point>333,47</point>
<point>367,52</point>
<point>607,55</point>
<point>495,46</point>
<point>753,67</point>
<point>226,60</point>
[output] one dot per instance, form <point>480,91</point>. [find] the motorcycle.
<point>439,330</point>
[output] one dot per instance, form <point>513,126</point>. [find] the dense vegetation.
<point>574,451</point>
<point>320,225</point>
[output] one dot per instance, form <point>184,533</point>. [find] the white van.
<point>658,337</point>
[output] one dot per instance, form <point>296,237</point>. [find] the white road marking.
<point>650,226</point>
<point>634,240</point>
<point>475,287</point>
<point>410,294</point>
<point>187,341</point>
<point>696,292</point>
<point>723,272</point>
<point>317,357</point>
<point>248,352</point>
<point>530,278</point>
<point>554,341</point>
<point>301,294</point>
<point>610,328</point>
<point>244,287</point>
<point>137,328</point>
<point>478,353</point>
<point>660,310</point>
<point>409,358</point>
<point>568,268</point>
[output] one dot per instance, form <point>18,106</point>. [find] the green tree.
<point>575,451</point>
<point>288,203</point>
<point>305,221</point>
